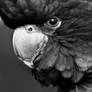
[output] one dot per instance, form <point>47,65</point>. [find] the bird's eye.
<point>54,22</point>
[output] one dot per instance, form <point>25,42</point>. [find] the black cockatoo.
<point>54,39</point>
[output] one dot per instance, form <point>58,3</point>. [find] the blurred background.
<point>14,76</point>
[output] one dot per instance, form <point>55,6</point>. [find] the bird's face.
<point>29,41</point>
<point>56,41</point>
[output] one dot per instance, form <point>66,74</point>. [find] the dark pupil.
<point>53,21</point>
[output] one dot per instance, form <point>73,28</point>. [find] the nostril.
<point>30,29</point>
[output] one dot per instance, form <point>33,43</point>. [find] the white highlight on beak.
<point>29,64</point>
<point>27,42</point>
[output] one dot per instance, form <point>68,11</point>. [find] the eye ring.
<point>54,22</point>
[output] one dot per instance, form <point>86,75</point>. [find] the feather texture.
<point>67,58</point>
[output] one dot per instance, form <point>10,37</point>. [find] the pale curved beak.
<point>28,41</point>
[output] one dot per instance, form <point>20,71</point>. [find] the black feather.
<point>58,65</point>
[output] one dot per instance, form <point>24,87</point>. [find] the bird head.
<point>53,38</point>
<point>31,42</point>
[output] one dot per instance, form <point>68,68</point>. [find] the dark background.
<point>14,76</point>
